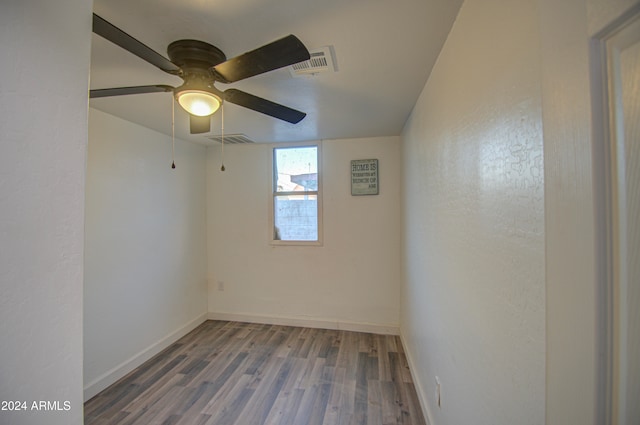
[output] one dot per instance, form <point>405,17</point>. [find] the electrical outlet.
<point>438,392</point>
<point>220,285</point>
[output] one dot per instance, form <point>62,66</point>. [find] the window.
<point>296,199</point>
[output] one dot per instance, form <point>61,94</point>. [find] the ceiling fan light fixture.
<point>198,102</point>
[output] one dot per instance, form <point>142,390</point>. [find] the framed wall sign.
<point>364,177</point>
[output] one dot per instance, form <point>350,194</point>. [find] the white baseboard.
<point>417,383</point>
<point>306,322</point>
<point>113,375</point>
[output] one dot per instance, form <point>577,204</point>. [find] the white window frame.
<point>273,194</point>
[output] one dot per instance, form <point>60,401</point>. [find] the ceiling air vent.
<point>321,61</point>
<point>232,139</point>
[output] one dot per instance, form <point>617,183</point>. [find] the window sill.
<point>295,243</point>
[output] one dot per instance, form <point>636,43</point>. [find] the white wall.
<point>473,297</point>
<point>43,137</point>
<point>574,393</point>
<point>145,258</point>
<point>601,13</point>
<point>351,281</point>
<point>509,73</point>
<point>571,291</point>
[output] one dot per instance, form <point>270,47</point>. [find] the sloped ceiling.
<point>384,53</point>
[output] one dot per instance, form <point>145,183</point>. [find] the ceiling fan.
<point>201,65</point>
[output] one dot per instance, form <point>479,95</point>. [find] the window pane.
<point>296,218</point>
<point>296,169</point>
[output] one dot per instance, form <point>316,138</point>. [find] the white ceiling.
<point>384,49</point>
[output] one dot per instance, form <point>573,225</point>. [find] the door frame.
<point>608,164</point>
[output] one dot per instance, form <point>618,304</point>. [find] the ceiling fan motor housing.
<point>196,58</point>
<point>195,55</point>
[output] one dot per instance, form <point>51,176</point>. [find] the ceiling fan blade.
<point>127,42</point>
<point>198,125</point>
<point>280,53</point>
<point>120,91</point>
<point>264,106</point>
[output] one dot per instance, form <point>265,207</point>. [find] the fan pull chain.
<point>222,135</point>
<point>173,132</point>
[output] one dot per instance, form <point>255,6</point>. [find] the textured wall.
<point>473,299</point>
<point>145,258</point>
<point>574,247</point>
<point>601,13</point>
<point>43,137</point>
<point>351,279</point>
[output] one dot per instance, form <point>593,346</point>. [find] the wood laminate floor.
<point>225,373</point>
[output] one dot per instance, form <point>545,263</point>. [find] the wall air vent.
<point>232,139</point>
<point>322,60</point>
